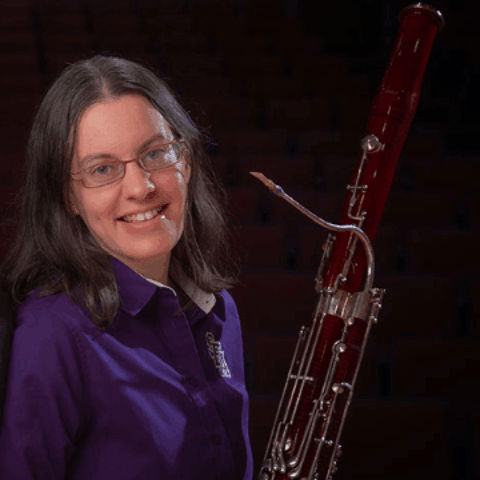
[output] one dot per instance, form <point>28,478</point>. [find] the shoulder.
<point>48,387</point>
<point>228,302</point>
<point>49,340</point>
<point>54,314</point>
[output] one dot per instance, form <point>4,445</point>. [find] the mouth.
<point>132,219</point>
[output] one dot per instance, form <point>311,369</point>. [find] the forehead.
<point>118,126</point>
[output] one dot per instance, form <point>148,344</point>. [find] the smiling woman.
<point>83,117</point>
<point>119,276</point>
<point>120,126</point>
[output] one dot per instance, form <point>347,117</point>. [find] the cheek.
<point>94,207</point>
<point>173,186</point>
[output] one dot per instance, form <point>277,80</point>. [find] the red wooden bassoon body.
<point>304,442</point>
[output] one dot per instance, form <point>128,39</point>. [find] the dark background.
<point>284,87</point>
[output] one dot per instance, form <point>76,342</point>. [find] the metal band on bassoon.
<point>304,442</point>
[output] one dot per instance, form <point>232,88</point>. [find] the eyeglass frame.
<point>123,162</point>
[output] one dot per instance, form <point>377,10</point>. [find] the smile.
<point>143,217</point>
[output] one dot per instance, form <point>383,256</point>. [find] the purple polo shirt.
<point>162,396</point>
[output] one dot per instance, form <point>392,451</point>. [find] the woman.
<point>127,358</point>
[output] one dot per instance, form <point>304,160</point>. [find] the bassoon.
<point>304,441</point>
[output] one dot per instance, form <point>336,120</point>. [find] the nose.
<point>136,181</point>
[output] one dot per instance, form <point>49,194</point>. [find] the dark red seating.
<point>446,251</point>
<point>443,368</point>
<point>261,247</point>
<point>249,140</point>
<point>392,438</point>
<point>287,299</point>
<point>298,114</point>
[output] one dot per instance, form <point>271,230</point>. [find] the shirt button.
<point>193,381</point>
<point>216,439</point>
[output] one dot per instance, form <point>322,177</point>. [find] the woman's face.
<point>119,128</point>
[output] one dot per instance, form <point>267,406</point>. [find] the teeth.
<point>143,216</point>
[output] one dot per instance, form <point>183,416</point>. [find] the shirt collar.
<point>136,290</point>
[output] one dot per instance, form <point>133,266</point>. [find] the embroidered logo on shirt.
<point>217,354</point>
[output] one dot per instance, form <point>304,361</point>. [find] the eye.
<point>161,156</point>
<point>157,153</point>
<point>103,169</point>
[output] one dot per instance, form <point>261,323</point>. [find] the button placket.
<point>185,352</point>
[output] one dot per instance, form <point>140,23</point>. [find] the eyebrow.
<point>87,159</point>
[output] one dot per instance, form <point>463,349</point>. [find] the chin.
<point>142,256</point>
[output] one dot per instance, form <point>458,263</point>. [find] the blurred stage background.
<point>284,87</point>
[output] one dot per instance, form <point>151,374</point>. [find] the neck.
<point>154,269</point>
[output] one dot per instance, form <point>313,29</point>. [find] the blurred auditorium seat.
<point>423,147</point>
<point>230,45</point>
<point>63,36</point>
<point>262,87</point>
<point>475,307</point>
<point>336,170</point>
<point>245,66</point>
<point>354,104</point>
<point>328,72</point>
<point>118,43</point>
<point>61,18</point>
<point>18,110</point>
<point>326,144</point>
<point>429,368</point>
<point>16,26</point>
<point>220,25</point>
<point>244,204</point>
<point>16,83</point>
<point>398,437</point>
<point>288,300</point>
<point>252,141</point>
<point>443,251</point>
<point>194,85</point>
<point>189,66</point>
<point>415,306</point>
<point>297,114</point>
<point>410,210</point>
<point>261,246</point>
<point>271,377</point>
<point>152,19</point>
<point>169,44</point>
<point>297,45</point>
<point>230,113</point>
<point>207,8</point>
<point>66,44</point>
<point>13,139</point>
<point>104,22</point>
<point>452,174</point>
<point>255,13</point>
<point>18,49</point>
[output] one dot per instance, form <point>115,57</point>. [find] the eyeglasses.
<point>156,158</point>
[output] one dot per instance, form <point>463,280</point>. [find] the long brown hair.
<point>53,248</point>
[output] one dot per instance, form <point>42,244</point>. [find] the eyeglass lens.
<point>157,158</point>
